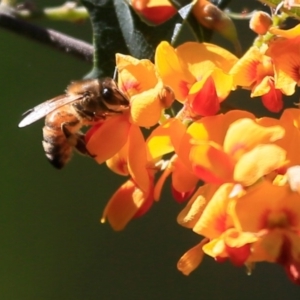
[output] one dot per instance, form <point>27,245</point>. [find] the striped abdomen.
<point>58,148</point>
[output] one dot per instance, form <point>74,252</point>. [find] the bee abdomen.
<point>57,148</point>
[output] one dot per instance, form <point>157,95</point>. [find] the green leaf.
<point>107,37</point>
<point>118,29</point>
<point>140,37</point>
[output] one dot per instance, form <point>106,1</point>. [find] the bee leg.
<point>75,139</point>
<point>81,145</point>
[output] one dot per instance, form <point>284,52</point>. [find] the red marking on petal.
<point>206,101</point>
<point>281,171</point>
<point>238,256</point>
<point>220,259</point>
<point>129,85</point>
<point>181,197</point>
<point>220,223</point>
<point>273,99</point>
<point>146,206</point>
<point>184,87</point>
<point>206,175</point>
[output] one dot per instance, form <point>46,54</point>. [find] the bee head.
<point>112,96</point>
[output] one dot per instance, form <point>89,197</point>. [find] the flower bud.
<point>166,97</point>
<point>260,22</point>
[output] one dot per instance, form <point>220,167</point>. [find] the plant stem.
<point>49,37</point>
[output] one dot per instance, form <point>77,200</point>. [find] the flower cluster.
<point>239,174</point>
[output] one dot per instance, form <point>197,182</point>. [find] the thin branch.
<point>49,37</point>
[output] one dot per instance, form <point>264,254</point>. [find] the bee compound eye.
<point>107,93</point>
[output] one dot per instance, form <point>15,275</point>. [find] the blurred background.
<point>52,243</point>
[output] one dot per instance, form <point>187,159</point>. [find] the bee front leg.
<point>75,139</point>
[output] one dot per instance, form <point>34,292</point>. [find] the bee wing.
<point>45,108</point>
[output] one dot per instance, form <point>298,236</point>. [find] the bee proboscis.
<point>85,103</point>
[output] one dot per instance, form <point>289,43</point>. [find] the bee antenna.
<point>115,76</point>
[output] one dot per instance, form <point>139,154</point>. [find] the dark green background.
<point>52,244</point>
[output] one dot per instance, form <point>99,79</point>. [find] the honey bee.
<point>85,103</point>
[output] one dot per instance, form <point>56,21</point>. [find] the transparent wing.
<point>46,108</point>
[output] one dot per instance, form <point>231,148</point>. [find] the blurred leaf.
<point>141,38</point>
<point>190,24</point>
<point>107,37</point>
<point>292,12</point>
<point>118,29</point>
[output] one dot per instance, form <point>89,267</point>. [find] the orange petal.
<point>192,258</point>
<point>245,71</point>
<point>182,179</point>
<point>118,162</point>
<point>267,206</point>
<point>123,205</point>
<point>108,139</point>
<point>212,164</point>
<point>268,247</point>
<point>137,159</point>
<point>285,55</point>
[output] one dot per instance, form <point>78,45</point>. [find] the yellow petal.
<point>258,162</point>
<point>134,75</point>
<point>164,138</point>
<point>223,83</point>
<point>202,57</point>
<point>146,108</point>
<point>196,205</point>
<point>289,34</point>
<point>215,220</point>
<point>172,70</point>
<point>245,134</point>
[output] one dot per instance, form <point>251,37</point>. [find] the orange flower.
<point>197,73</point>
<point>284,51</point>
<point>256,71</point>
<point>208,214</point>
<point>273,213</point>
<point>119,140</point>
<point>230,148</point>
<point>290,121</point>
<point>148,98</point>
<point>128,202</point>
